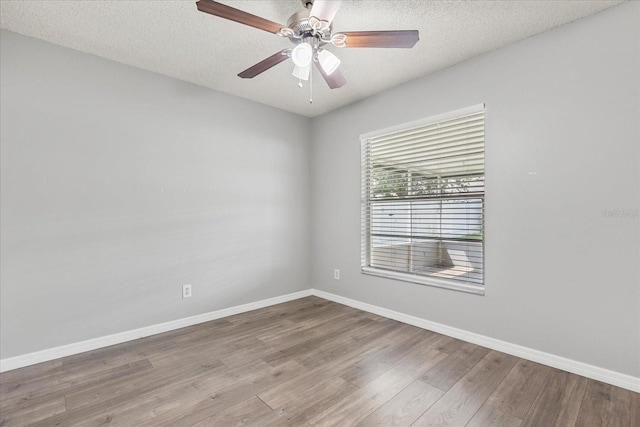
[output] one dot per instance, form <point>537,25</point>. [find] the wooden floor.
<point>309,362</point>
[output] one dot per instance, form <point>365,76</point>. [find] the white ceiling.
<point>175,39</point>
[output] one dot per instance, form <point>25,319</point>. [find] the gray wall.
<point>119,186</point>
<point>562,147</point>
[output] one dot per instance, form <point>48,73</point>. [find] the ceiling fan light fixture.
<point>328,61</point>
<point>302,55</point>
<point>301,73</point>
<point>309,30</point>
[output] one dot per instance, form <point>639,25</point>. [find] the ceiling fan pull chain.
<point>311,87</point>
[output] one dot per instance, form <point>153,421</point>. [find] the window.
<point>423,201</point>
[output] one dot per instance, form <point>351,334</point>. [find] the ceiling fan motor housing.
<point>301,25</point>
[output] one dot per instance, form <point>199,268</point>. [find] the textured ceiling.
<point>174,39</point>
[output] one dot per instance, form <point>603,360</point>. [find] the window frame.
<point>366,225</point>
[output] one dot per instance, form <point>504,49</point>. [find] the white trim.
<point>590,371</point>
<point>610,377</point>
<point>93,344</point>
<point>424,122</point>
<point>425,280</point>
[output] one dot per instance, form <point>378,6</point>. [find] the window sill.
<point>428,281</point>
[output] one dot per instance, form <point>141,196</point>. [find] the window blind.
<point>423,202</point>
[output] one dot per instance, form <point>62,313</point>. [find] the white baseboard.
<point>605,375</point>
<point>93,344</point>
<point>610,377</point>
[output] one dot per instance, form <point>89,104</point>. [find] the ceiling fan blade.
<point>325,10</point>
<point>265,64</point>
<point>334,80</point>
<point>403,38</point>
<point>237,15</point>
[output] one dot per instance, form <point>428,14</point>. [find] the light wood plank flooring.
<point>308,362</point>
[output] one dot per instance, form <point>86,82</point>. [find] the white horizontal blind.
<point>423,202</point>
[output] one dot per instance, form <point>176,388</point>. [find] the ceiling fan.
<point>310,30</point>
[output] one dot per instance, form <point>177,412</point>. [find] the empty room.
<point>320,213</point>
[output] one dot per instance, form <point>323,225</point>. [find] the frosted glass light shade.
<point>302,54</point>
<point>328,61</point>
<point>302,72</point>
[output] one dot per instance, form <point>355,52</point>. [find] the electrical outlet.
<point>186,291</point>
<point>336,274</point>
